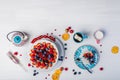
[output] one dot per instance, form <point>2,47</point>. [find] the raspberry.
<point>15,53</point>
<point>71,31</point>
<point>29,64</point>
<point>101,69</point>
<point>66,69</point>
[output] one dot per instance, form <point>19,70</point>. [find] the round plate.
<point>80,59</point>
<point>58,45</point>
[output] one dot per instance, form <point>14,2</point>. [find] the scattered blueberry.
<point>51,33</point>
<point>45,77</point>
<point>78,59</point>
<point>48,74</point>
<point>100,45</point>
<point>73,70</point>
<point>65,44</point>
<point>65,57</point>
<point>75,73</point>
<point>34,74</point>
<point>100,51</point>
<point>59,34</point>
<point>34,70</point>
<point>37,73</point>
<point>55,29</point>
<point>79,72</point>
<point>65,48</point>
<point>61,57</point>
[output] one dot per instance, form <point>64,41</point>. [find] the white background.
<point>41,16</point>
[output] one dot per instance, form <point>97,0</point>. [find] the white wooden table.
<point>41,16</point>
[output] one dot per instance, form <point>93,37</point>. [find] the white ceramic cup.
<point>99,35</point>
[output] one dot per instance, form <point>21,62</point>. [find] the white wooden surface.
<point>41,16</point>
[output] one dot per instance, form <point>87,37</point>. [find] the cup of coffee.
<point>18,38</point>
<point>79,37</point>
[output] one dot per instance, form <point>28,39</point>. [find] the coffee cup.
<point>79,37</point>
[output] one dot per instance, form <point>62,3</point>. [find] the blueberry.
<point>46,49</point>
<point>34,70</point>
<point>37,73</point>
<point>34,74</point>
<point>51,63</point>
<point>61,57</point>
<point>42,51</point>
<point>65,48</point>
<point>73,70</point>
<point>65,44</point>
<point>37,57</point>
<point>52,55</point>
<point>100,51</point>
<point>78,59</point>
<point>79,72</point>
<point>75,73</point>
<point>92,61</point>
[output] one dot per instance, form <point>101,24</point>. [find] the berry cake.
<point>43,55</point>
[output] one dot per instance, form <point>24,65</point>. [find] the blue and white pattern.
<point>17,39</point>
<point>79,55</point>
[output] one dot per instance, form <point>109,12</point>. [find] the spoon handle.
<point>89,70</point>
<point>15,60</point>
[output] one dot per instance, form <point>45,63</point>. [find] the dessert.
<point>43,55</point>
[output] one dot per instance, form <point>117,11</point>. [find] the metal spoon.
<point>89,70</point>
<point>15,60</point>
